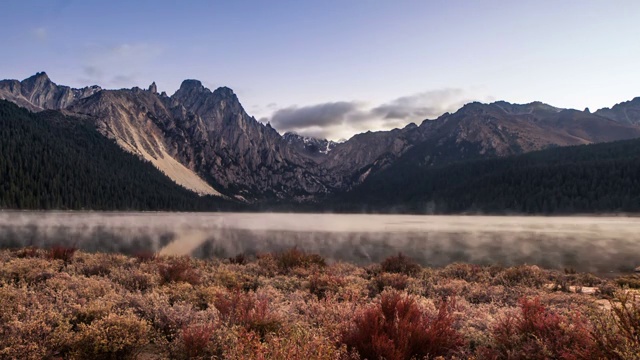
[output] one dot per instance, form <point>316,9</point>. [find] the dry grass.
<point>67,304</point>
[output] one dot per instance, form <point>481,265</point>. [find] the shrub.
<point>294,258</point>
<point>178,269</point>
<point>321,285</point>
<point>630,281</point>
<point>240,259</point>
<point>400,264</point>
<point>466,272</point>
<point>385,280</point>
<point>197,341</point>
<point>298,344</point>
<point>64,253</point>
<point>530,276</point>
<point>538,333</point>
<point>113,337</point>
<point>617,332</point>
<point>240,308</point>
<point>397,328</point>
<point>28,252</point>
<point>145,256</point>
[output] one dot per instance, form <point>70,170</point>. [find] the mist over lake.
<point>595,244</point>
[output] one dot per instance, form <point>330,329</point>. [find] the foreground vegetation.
<point>60,303</point>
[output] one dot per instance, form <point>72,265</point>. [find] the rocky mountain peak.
<point>37,81</point>
<point>191,85</point>
<point>153,88</point>
<point>224,93</point>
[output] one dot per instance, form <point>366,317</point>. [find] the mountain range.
<point>206,142</point>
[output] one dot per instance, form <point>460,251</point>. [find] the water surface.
<point>596,244</point>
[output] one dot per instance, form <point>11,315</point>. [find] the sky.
<point>333,68</point>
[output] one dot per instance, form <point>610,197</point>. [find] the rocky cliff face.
<point>626,112</point>
<point>476,130</point>
<point>39,93</point>
<point>316,149</point>
<point>205,141</point>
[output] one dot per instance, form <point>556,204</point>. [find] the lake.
<point>595,244</point>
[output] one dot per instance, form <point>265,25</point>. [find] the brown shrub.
<point>178,269</point>
<point>113,337</point>
<point>298,344</point>
<point>617,332</point>
<point>386,280</point>
<point>145,256</point>
<point>400,264</point>
<point>630,281</point>
<point>295,258</point>
<point>398,329</point>
<point>322,284</point>
<point>240,259</point>
<point>530,276</point>
<point>466,272</point>
<point>28,252</point>
<point>538,333</point>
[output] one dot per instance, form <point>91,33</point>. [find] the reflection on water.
<point>596,244</point>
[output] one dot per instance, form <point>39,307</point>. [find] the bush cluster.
<point>60,303</point>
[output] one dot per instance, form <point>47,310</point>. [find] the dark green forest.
<point>599,178</point>
<point>50,161</point>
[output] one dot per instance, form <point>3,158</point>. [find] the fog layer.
<point>596,244</point>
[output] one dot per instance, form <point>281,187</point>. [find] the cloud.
<point>125,63</point>
<point>315,115</point>
<point>40,33</point>
<point>425,105</point>
<point>342,119</point>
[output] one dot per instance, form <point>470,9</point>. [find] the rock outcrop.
<point>38,93</point>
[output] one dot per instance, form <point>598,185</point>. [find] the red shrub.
<point>538,333</point>
<point>400,264</point>
<point>60,252</point>
<point>196,340</point>
<point>178,269</point>
<point>398,329</point>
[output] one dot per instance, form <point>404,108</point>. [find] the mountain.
<point>51,161</point>
<point>596,178</point>
<point>38,93</point>
<point>626,112</point>
<point>205,141</point>
<point>475,131</point>
<point>317,149</point>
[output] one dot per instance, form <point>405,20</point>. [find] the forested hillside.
<point>580,179</point>
<point>50,161</point>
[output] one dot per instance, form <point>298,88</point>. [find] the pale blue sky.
<point>346,66</point>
